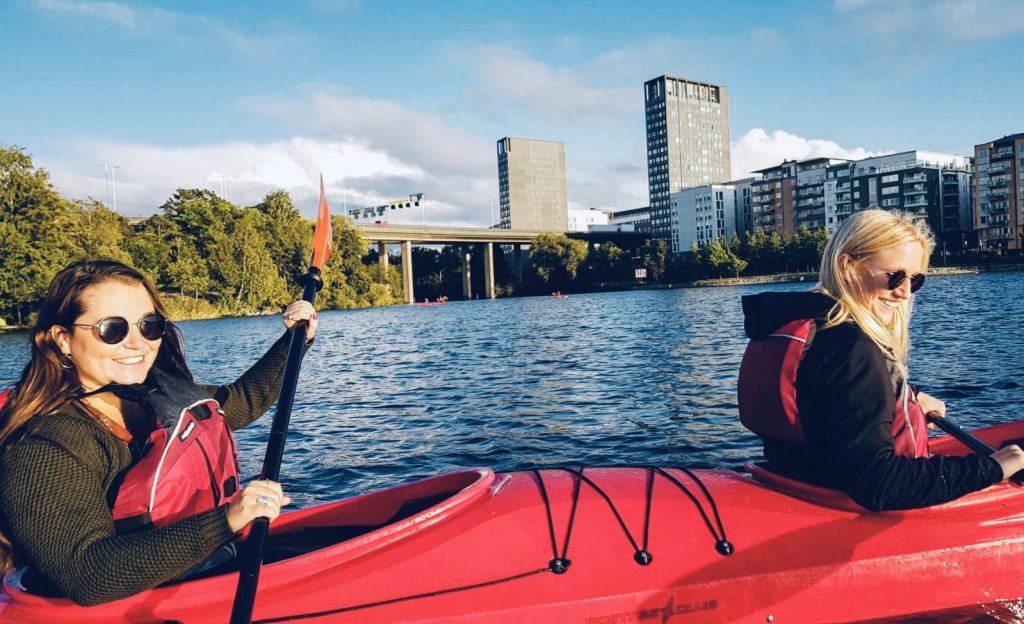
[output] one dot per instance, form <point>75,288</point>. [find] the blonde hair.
<point>860,237</point>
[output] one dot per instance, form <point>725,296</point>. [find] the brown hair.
<point>46,386</point>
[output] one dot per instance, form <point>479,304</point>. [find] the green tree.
<point>242,271</point>
<point>289,237</point>
<point>654,258</point>
<point>556,258</point>
<point>34,246</point>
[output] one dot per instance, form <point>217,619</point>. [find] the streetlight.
<point>111,182</point>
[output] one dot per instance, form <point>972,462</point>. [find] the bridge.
<point>406,235</point>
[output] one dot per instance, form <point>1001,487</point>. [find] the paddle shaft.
<point>966,438</point>
<point>252,559</point>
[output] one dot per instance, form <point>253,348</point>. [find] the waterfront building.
<point>639,218</point>
<point>702,214</point>
<point>532,185</point>
<point>771,199</point>
<point>999,192</point>
<point>929,185</point>
<point>584,220</point>
<point>744,205</point>
<point>687,141</point>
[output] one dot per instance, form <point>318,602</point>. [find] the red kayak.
<point>604,546</point>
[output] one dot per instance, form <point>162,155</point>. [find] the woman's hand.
<point>1011,460</point>
<point>298,312</point>
<point>259,499</point>
<point>932,407</point>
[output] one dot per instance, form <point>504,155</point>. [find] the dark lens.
<point>896,278</point>
<point>916,282</point>
<point>112,330</point>
<point>152,326</point>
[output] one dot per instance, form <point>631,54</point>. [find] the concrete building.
<point>531,185</point>
<point>744,206</point>
<point>584,220</point>
<point>771,199</point>
<point>702,214</point>
<point>999,193</point>
<point>928,185</point>
<point>639,218</point>
<point>687,141</point>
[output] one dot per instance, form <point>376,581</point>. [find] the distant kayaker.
<point>824,379</point>
<point>117,472</point>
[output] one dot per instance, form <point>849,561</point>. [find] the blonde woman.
<point>824,379</point>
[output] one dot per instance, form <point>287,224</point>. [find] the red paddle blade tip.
<point>322,232</point>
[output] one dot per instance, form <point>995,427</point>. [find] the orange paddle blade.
<point>322,232</point>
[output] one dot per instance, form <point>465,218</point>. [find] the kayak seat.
<point>763,473</point>
<point>282,546</point>
<point>309,539</point>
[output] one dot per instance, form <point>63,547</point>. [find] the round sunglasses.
<point>895,279</point>
<point>114,329</point>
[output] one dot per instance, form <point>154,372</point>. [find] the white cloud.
<point>758,150</point>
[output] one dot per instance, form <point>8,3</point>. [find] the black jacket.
<point>846,401</point>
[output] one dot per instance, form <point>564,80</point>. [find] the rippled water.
<point>647,377</point>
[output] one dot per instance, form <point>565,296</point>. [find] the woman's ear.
<point>59,336</point>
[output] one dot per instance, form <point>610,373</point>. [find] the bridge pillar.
<point>382,255</point>
<point>517,263</point>
<point>489,290</point>
<point>407,293</point>
<point>467,282</point>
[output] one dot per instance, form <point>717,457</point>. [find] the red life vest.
<point>189,464</point>
<point>767,392</point>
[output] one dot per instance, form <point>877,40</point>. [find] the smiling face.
<point>873,280</point>
<point>99,363</point>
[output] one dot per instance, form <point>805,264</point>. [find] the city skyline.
<point>397,99</point>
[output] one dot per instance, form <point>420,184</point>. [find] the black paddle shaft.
<point>252,559</point>
<point>966,438</point>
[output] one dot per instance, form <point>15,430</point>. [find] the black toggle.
<point>643,557</point>
<point>559,565</point>
<point>724,548</point>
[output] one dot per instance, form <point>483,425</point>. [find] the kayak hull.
<point>477,546</point>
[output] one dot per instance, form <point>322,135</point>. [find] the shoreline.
<point>775,278</point>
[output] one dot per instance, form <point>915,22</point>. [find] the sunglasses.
<point>895,279</point>
<point>114,329</point>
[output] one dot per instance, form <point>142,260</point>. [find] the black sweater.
<point>846,401</point>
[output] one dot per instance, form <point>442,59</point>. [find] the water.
<point>647,377</point>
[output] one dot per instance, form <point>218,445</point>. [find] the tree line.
<point>209,256</point>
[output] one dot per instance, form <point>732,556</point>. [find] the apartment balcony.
<point>843,187</point>
<point>843,211</point>
<point>998,169</point>
<point>916,202</point>
<point>997,195</point>
<point>843,198</point>
<point>998,182</point>
<point>998,236</point>
<point>1002,152</point>
<point>917,189</point>
<point>804,215</point>
<point>917,177</point>
<point>998,207</point>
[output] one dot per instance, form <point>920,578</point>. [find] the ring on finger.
<point>262,500</point>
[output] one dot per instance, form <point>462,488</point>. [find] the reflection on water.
<point>648,377</point>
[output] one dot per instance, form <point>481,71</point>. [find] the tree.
<point>556,259</point>
<point>654,257</point>
<point>34,246</point>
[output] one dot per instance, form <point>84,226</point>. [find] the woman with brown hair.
<point>824,380</point>
<point>117,471</point>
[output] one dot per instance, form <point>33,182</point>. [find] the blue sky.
<point>392,98</point>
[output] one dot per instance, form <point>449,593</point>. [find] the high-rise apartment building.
<point>531,184</point>
<point>687,141</point>
<point>999,192</point>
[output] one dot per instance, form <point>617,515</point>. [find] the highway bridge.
<point>406,235</point>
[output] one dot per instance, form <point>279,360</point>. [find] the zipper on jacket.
<point>214,486</point>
